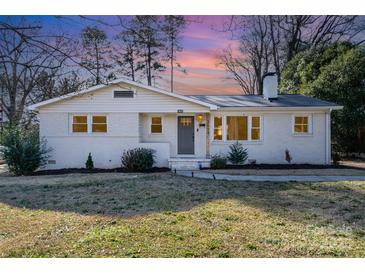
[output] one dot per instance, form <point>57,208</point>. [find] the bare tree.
<point>275,43</point>
<point>50,86</point>
<point>172,27</point>
<point>254,52</point>
<point>257,44</point>
<point>269,42</point>
<point>331,28</point>
<point>240,70</point>
<point>22,65</point>
<point>299,32</point>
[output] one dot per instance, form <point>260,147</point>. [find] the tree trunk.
<point>149,60</point>
<point>97,65</point>
<point>132,66</point>
<point>172,65</point>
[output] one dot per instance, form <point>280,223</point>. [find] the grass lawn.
<point>162,215</point>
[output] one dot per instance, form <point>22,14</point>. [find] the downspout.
<point>328,137</point>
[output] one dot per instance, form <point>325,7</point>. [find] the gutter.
<point>270,108</point>
<point>328,137</point>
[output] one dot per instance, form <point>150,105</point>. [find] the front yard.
<point>162,215</point>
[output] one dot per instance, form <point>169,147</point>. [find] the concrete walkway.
<point>255,178</point>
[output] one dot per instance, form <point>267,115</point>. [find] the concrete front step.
<point>188,163</point>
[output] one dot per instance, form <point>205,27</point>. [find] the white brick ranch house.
<point>185,131</point>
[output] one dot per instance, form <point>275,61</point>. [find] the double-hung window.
<point>218,133</point>
<point>89,123</point>
<point>99,123</point>
<point>255,128</point>
<point>302,124</point>
<point>156,124</point>
<point>79,123</point>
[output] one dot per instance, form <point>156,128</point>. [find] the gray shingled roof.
<point>284,100</point>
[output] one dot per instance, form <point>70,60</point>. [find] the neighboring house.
<point>183,130</point>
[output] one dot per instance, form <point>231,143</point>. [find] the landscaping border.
<point>95,170</point>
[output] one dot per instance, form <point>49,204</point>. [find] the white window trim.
<point>213,128</point>
<point>224,128</point>
<point>89,124</point>
<point>150,124</point>
<point>71,124</point>
<point>250,128</point>
<point>310,124</point>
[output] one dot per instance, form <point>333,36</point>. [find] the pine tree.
<point>96,52</point>
<point>89,163</point>
<point>172,28</point>
<point>238,154</point>
<point>147,30</point>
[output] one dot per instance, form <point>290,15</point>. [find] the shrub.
<point>89,162</point>
<point>238,154</point>
<point>138,159</point>
<point>336,158</point>
<point>218,162</point>
<point>288,157</point>
<point>336,154</point>
<point>23,151</point>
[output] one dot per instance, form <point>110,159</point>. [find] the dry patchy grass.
<point>161,215</point>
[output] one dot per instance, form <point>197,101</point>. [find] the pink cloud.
<point>202,44</point>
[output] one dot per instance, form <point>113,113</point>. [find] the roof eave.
<point>69,95</point>
<point>36,106</point>
<point>336,107</point>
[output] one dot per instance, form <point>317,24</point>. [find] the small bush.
<point>89,162</point>
<point>218,162</point>
<point>238,154</point>
<point>288,157</point>
<point>23,151</point>
<point>336,158</point>
<point>138,159</point>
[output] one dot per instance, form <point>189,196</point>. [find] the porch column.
<point>207,134</point>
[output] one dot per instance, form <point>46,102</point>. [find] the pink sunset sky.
<point>201,41</point>
<point>202,44</point>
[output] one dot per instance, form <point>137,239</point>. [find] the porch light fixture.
<point>200,118</point>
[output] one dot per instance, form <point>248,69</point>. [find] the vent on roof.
<point>123,93</point>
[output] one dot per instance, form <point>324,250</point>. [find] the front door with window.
<point>185,134</point>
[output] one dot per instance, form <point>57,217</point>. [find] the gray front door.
<point>185,134</point>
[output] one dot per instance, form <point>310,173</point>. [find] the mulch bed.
<point>95,170</point>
